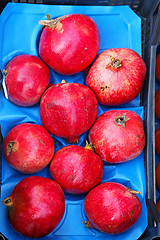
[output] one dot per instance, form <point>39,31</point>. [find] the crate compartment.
<point>121,28</point>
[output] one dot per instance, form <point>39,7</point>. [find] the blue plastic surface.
<point>19,33</point>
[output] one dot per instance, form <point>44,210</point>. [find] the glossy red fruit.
<point>26,79</point>
<point>68,109</point>
<point>157,173</point>
<point>117,76</point>
<point>77,169</point>
<point>157,68</point>
<point>35,206</point>
<point>28,147</point>
<point>158,205</point>
<point>157,140</point>
<point>68,44</point>
<point>112,208</point>
<point>118,136</point>
<point>157,103</point>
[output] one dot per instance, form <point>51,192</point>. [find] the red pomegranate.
<point>77,169</point>
<point>118,135</point>
<point>112,208</point>
<point>157,67</point>
<point>68,44</point>
<point>26,79</point>
<point>35,206</point>
<point>28,147</point>
<point>157,140</point>
<point>157,103</point>
<point>68,109</point>
<point>116,76</point>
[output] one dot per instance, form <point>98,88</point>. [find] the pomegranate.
<point>157,140</point>
<point>77,169</point>
<point>158,205</point>
<point>68,44</point>
<point>157,103</point>
<point>118,135</point>
<point>35,206</point>
<point>116,76</point>
<point>112,208</point>
<point>28,147</point>
<point>26,79</point>
<point>157,67</point>
<point>68,109</point>
<point>157,173</point>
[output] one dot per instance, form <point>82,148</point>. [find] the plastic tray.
<point>71,226</point>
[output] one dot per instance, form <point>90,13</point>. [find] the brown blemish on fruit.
<point>103,88</point>
<point>72,177</point>
<point>42,142</point>
<point>61,171</point>
<point>131,213</point>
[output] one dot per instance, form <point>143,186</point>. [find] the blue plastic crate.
<point>121,28</point>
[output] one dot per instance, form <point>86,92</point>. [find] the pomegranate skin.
<point>68,109</point>
<point>77,169</point>
<point>118,136</point>
<point>26,79</point>
<point>70,43</point>
<point>28,147</point>
<point>117,76</point>
<point>36,206</point>
<point>112,208</point>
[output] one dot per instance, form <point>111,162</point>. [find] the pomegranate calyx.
<point>8,201</point>
<point>89,146</point>
<point>48,23</point>
<point>133,191</point>
<point>5,72</point>
<point>88,224</point>
<point>115,63</point>
<point>63,81</point>
<point>48,16</point>
<point>10,147</point>
<point>121,120</point>
<point>51,23</point>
